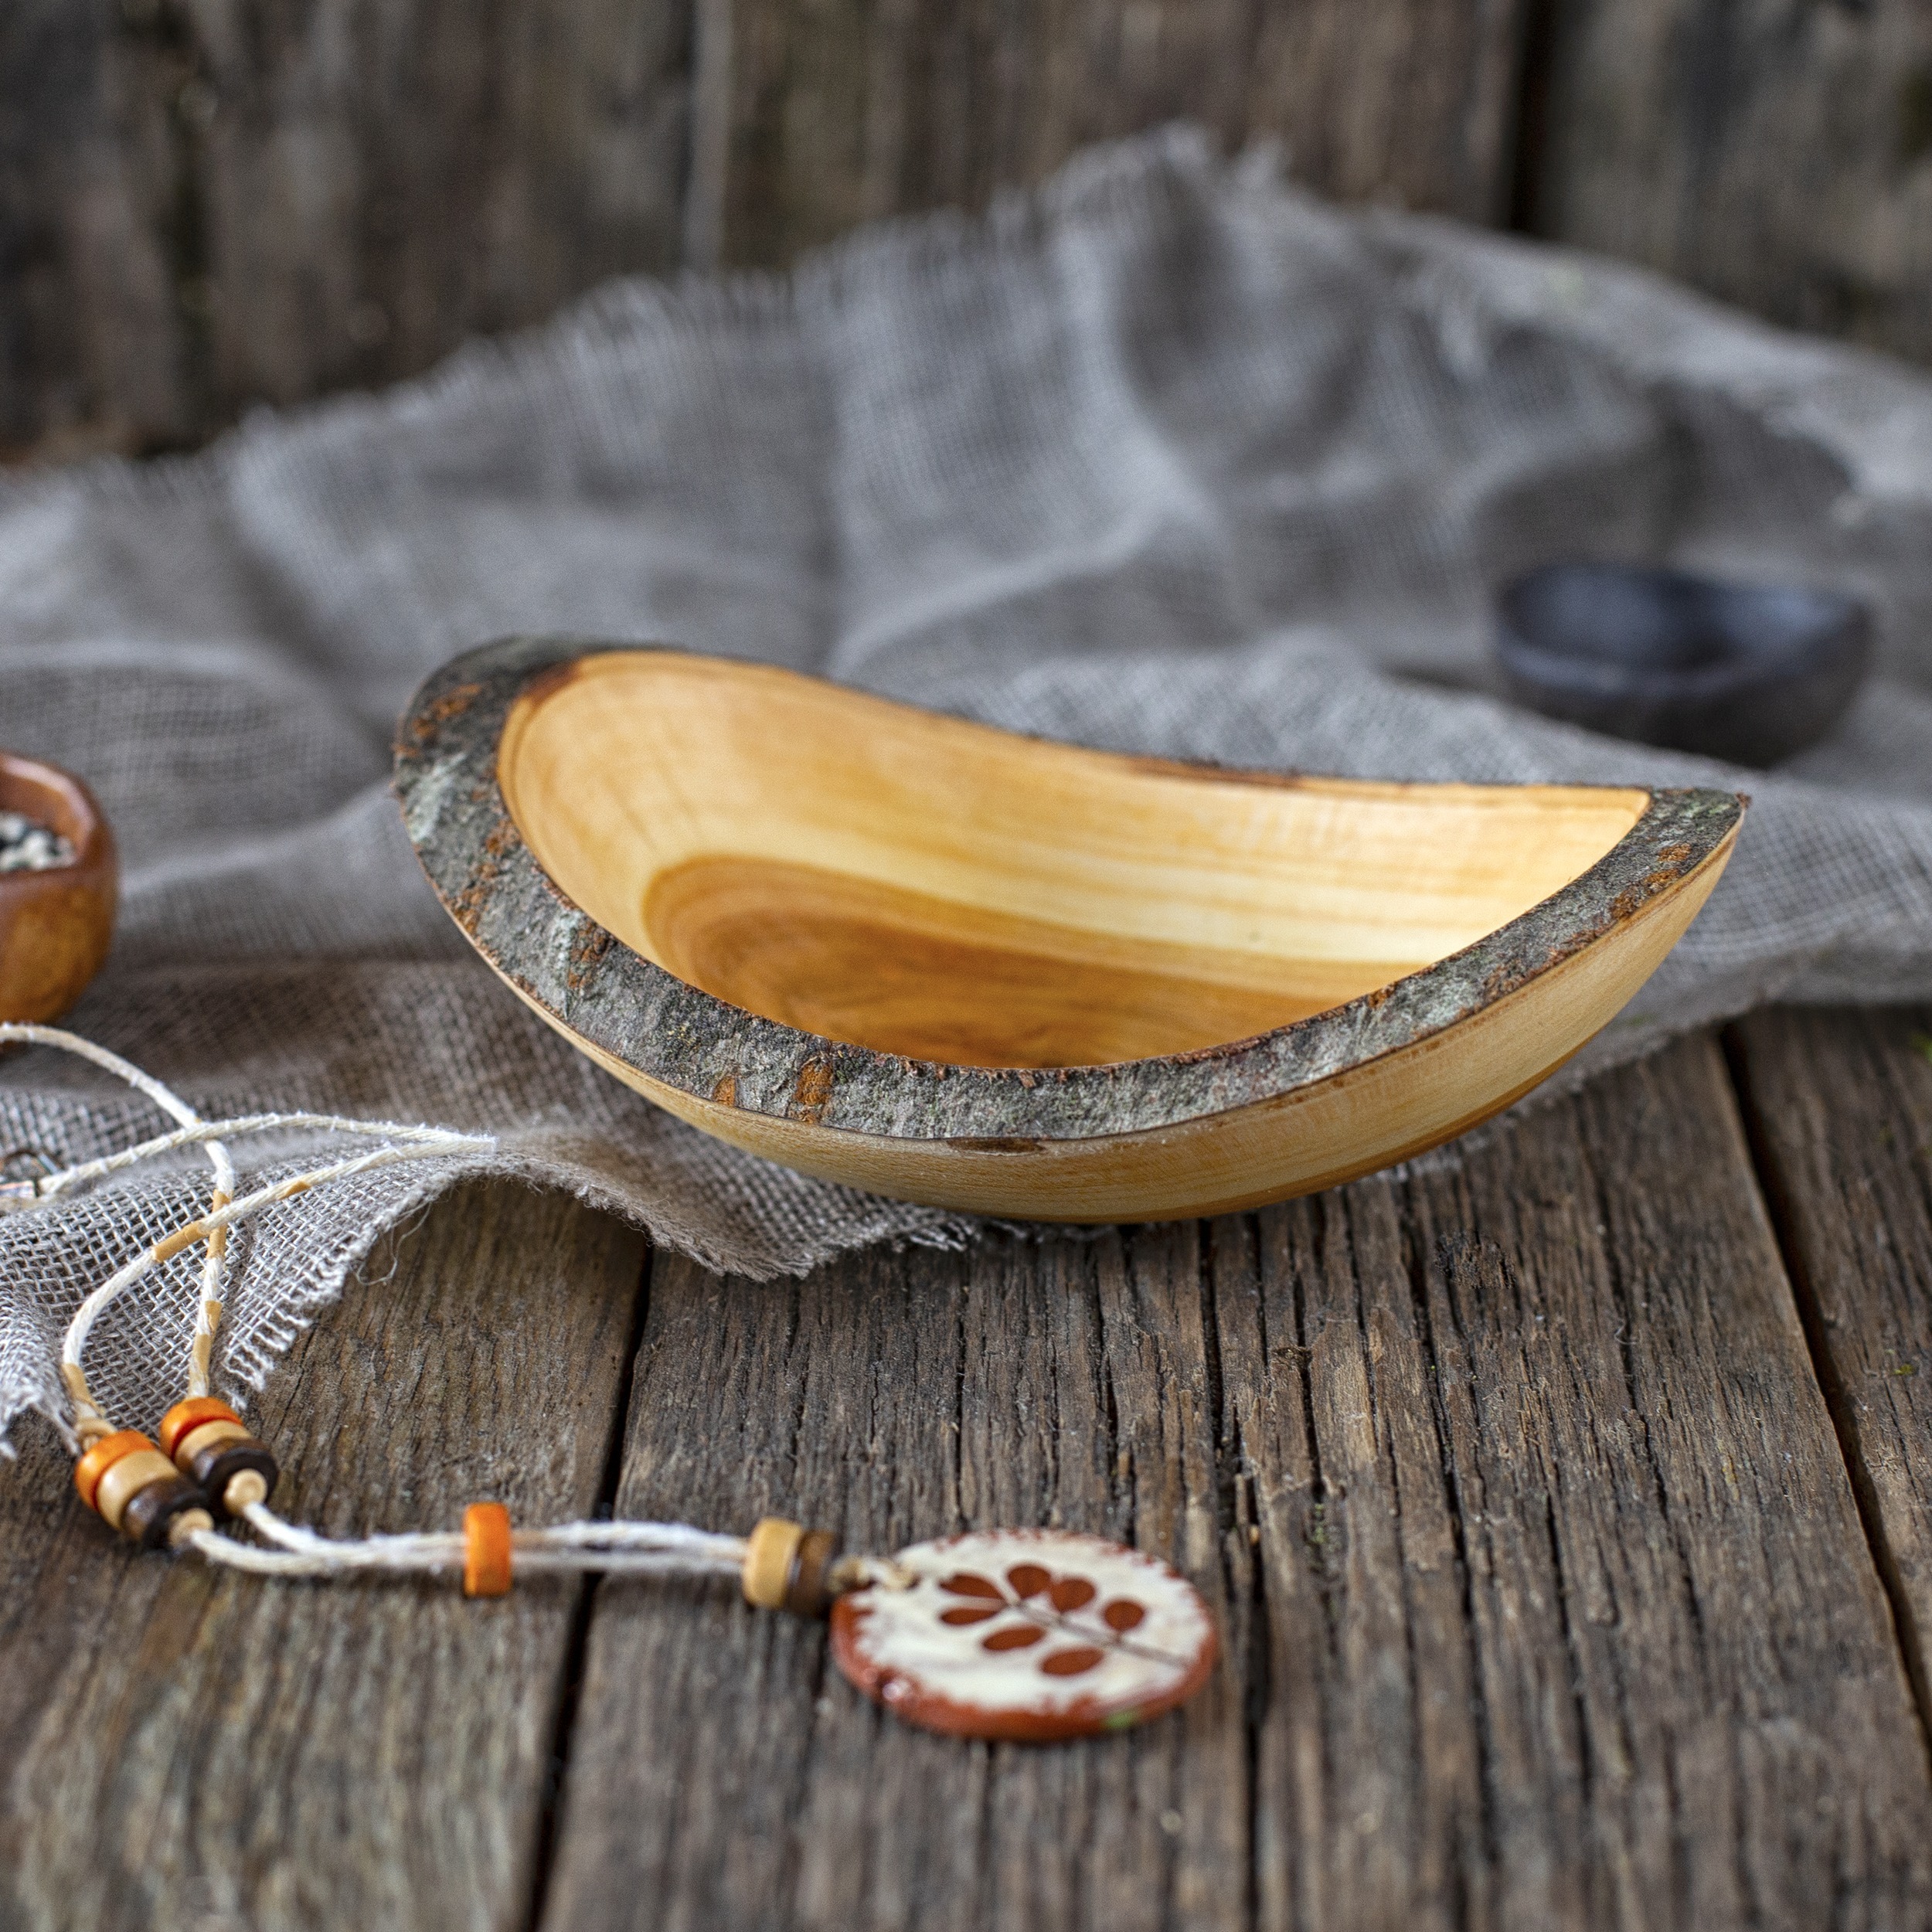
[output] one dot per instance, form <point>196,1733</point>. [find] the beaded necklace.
<point>1017,1634</point>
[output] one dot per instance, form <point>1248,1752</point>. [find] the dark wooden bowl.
<point>55,926</point>
<point>1748,673</point>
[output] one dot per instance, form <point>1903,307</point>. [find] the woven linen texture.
<point>1167,457</point>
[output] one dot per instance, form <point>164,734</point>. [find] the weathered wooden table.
<point>1561,1507</point>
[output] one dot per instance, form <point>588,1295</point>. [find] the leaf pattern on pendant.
<point>1027,1633</point>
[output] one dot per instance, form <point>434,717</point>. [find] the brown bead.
<point>188,1415</point>
<point>808,1591</point>
<point>150,1510</point>
<point>212,1461</point>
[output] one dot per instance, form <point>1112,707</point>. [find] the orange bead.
<point>486,1550</point>
<point>109,1450</point>
<point>191,1414</point>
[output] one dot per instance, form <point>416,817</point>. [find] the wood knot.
<point>587,950</point>
<point>812,1093</point>
<point>440,711</point>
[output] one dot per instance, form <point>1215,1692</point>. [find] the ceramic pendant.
<point>1027,1635</point>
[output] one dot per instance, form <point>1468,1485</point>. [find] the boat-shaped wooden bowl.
<point>947,963</point>
<point>56,926</point>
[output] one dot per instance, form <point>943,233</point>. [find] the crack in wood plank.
<point>1839,1106</point>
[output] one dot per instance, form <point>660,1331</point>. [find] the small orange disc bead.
<point>486,1550</point>
<point>190,1415</point>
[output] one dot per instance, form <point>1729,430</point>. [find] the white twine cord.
<point>88,1418</point>
<point>46,1186</point>
<point>416,1143</point>
<point>629,1549</point>
<point>626,1548</point>
<point>613,1548</point>
<point>245,1209</point>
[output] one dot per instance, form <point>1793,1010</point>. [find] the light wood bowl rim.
<point>618,1006</point>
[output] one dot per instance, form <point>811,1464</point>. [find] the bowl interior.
<point>928,887</point>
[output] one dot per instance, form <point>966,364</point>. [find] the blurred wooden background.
<point>208,203</point>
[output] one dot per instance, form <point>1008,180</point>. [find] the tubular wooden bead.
<point>153,1511</point>
<point>486,1550</point>
<point>188,1416</point>
<point>181,1527</point>
<point>129,1476</point>
<point>770,1552</point>
<point>205,1435</point>
<point>244,1487</point>
<point>102,1457</point>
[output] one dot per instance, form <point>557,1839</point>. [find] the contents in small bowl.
<point>27,846</point>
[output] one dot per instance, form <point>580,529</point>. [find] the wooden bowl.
<point>55,926</point>
<point>958,967</point>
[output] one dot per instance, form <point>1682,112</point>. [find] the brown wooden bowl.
<point>944,963</point>
<point>55,926</point>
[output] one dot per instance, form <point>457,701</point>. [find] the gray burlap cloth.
<point>1167,457</point>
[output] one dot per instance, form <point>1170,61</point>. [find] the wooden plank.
<point>205,205</point>
<point>816,114</point>
<point>210,204</point>
<point>721,1774</point>
<point>183,1750</point>
<point>221,203</point>
<point>1840,1109</point>
<point>1660,1536</point>
<point>86,234</point>
<point>1779,157</point>
<point>1544,1590</point>
<point>1585,1625</point>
